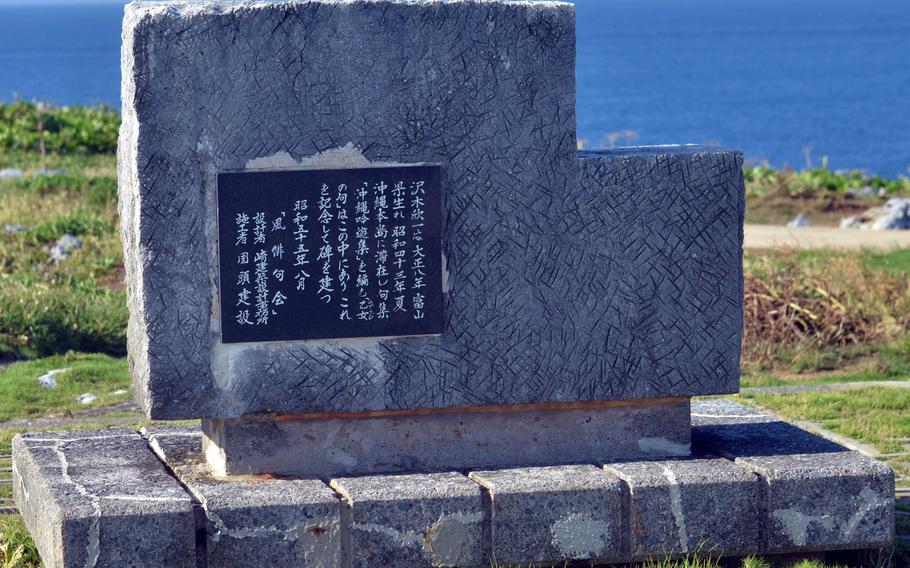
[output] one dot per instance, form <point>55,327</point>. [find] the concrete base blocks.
<point>753,486</point>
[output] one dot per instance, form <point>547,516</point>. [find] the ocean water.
<point>787,81</point>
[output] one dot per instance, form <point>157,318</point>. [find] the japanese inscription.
<point>329,254</point>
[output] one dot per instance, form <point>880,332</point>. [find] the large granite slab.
<point>101,498</point>
<point>611,277</point>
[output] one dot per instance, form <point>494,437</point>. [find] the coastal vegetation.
<point>36,127</point>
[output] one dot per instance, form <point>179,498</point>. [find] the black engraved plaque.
<point>325,254</point>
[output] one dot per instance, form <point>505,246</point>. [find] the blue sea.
<point>788,81</point>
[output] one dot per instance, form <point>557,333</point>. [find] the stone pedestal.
<point>485,437</point>
<point>753,485</point>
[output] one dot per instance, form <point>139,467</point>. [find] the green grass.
<point>78,304</point>
<point>17,550</point>
<point>895,262</point>
<point>776,196</point>
<point>876,361</point>
<point>21,396</point>
<point>885,413</point>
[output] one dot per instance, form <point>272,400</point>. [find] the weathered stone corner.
<point>252,521</point>
<point>100,498</point>
<point>816,493</point>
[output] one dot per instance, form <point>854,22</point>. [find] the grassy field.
<point>826,315</point>
<point>101,375</point>
<point>49,307</point>
<point>811,317</point>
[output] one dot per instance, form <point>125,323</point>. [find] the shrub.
<point>31,127</point>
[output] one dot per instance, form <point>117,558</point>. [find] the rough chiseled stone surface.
<point>618,273</point>
<point>101,498</point>
<point>664,295</point>
<point>818,495</point>
<point>453,441</point>
<point>409,521</point>
<point>680,506</point>
<point>552,514</point>
<point>255,521</point>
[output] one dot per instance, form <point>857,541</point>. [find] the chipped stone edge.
<point>129,208</point>
<point>187,9</point>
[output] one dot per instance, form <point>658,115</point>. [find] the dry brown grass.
<point>822,301</point>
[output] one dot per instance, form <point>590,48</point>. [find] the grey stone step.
<point>251,522</point>
<point>8,511</point>
<point>570,512</point>
<point>101,498</point>
<point>758,486</point>
<point>817,494</point>
<point>434,519</point>
<point>681,506</point>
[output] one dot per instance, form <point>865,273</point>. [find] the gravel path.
<point>828,387</point>
<point>772,236</point>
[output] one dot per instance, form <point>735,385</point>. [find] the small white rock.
<point>14,228</point>
<point>800,221</point>
<point>65,244</point>
<point>893,215</point>
<point>87,398</point>
<point>69,242</point>
<point>119,392</point>
<point>10,173</point>
<point>49,379</point>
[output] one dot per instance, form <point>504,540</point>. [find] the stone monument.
<point>418,326</point>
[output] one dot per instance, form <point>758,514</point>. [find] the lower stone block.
<point>552,514</point>
<point>101,498</point>
<point>698,504</point>
<point>485,438</point>
<point>818,495</point>
<point>255,521</point>
<point>410,521</point>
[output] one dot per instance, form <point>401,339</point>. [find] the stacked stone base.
<point>752,486</point>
